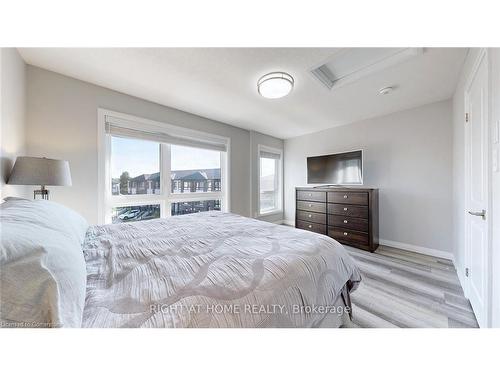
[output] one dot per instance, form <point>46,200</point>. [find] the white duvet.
<point>212,269</point>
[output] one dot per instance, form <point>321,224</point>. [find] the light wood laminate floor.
<point>405,289</point>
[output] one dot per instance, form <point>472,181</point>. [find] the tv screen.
<point>337,169</point>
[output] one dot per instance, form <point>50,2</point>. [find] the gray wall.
<point>407,155</point>
<point>12,108</point>
<point>257,139</point>
<point>62,123</point>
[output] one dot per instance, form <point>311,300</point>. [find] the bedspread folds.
<point>212,269</point>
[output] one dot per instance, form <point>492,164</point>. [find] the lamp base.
<point>43,193</point>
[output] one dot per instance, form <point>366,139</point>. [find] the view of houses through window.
<point>194,170</point>
<point>136,171</point>
<point>135,166</point>
<point>182,208</point>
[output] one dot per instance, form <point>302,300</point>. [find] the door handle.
<point>481,213</point>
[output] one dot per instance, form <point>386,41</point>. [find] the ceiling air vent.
<point>351,64</point>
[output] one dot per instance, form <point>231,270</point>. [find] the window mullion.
<point>106,216</point>
<point>166,179</point>
<point>276,182</point>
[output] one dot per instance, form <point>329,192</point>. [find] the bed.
<point>208,269</point>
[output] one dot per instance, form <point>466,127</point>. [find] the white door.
<point>477,191</point>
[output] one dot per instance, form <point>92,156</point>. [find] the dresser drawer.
<point>348,222</point>
<point>348,197</point>
<point>313,217</point>
<point>311,206</point>
<point>312,227</point>
<point>348,210</point>
<point>315,196</point>
<point>349,235</point>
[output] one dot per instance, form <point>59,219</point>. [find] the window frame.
<point>107,201</point>
<point>279,162</point>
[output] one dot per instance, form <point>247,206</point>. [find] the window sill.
<point>270,213</point>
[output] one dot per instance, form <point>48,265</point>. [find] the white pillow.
<point>43,274</point>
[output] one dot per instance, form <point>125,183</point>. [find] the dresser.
<point>349,215</point>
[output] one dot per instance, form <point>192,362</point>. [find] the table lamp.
<point>29,170</point>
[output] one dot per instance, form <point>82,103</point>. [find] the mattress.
<point>214,269</point>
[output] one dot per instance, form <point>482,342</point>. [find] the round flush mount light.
<point>386,90</point>
<point>275,85</point>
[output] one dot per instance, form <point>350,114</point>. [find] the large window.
<point>270,180</point>
<point>152,170</point>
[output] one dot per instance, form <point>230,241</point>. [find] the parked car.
<point>129,215</point>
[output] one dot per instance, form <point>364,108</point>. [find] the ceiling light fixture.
<point>386,90</point>
<point>275,85</point>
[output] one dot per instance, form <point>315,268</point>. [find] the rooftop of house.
<point>187,174</point>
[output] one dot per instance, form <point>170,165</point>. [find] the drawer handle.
<point>310,215</point>
<point>310,205</point>
<point>310,194</point>
<point>345,196</point>
<point>345,221</point>
<point>310,226</point>
<point>345,208</point>
<point>345,233</point>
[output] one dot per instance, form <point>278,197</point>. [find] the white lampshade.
<point>40,171</point>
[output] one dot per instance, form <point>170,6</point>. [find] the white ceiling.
<point>220,83</point>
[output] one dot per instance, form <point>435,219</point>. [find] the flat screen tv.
<point>336,169</point>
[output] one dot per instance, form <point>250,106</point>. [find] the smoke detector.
<point>386,90</point>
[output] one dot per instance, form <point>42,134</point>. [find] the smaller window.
<point>270,184</point>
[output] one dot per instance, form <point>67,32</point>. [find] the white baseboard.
<point>289,222</point>
<point>461,278</point>
<point>432,252</point>
<point>418,249</point>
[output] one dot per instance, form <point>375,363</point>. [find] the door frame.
<point>482,56</point>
